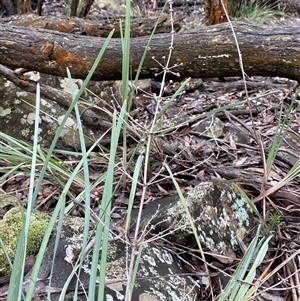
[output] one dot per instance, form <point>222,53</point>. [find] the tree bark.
<point>73,8</point>
<point>207,52</point>
<point>24,6</point>
<point>7,7</point>
<point>216,11</point>
<point>85,8</point>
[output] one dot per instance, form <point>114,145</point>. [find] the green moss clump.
<point>10,230</point>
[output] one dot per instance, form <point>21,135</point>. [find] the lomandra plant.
<point>259,11</point>
<point>15,291</point>
<point>238,287</point>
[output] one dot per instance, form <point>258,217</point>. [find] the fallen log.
<point>100,27</point>
<point>206,52</point>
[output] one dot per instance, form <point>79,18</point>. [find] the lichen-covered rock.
<point>17,116</point>
<point>10,228</point>
<point>17,113</point>
<point>17,110</point>
<point>159,275</point>
<point>220,215</point>
<point>219,211</point>
<point>211,127</point>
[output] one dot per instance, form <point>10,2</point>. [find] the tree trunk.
<point>24,7</point>
<point>73,8</point>
<point>7,7</point>
<point>206,52</point>
<point>85,8</point>
<point>216,11</point>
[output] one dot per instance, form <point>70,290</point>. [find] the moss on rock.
<point>10,229</point>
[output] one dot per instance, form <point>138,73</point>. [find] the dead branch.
<point>207,52</point>
<point>91,27</point>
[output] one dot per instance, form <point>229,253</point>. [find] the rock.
<point>159,275</point>
<point>220,213</point>
<point>10,229</point>
<point>17,112</point>
<point>211,127</point>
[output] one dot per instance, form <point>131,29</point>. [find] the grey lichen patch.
<point>212,127</point>
<point>31,118</point>
<point>10,229</point>
<point>66,85</point>
<point>25,132</point>
<point>21,94</point>
<point>23,120</point>
<point>4,112</point>
<point>76,225</point>
<point>69,124</point>
<point>113,6</point>
<point>220,214</point>
<point>146,297</point>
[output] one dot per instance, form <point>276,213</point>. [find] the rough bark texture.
<point>7,7</point>
<point>85,8</point>
<point>208,52</point>
<point>24,6</point>
<point>216,11</point>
